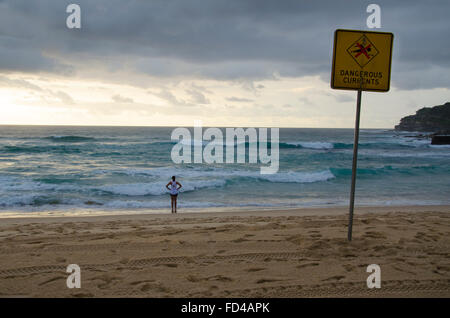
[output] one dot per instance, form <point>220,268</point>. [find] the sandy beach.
<point>286,253</point>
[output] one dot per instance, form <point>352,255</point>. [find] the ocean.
<point>70,170</point>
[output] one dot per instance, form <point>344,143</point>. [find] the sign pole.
<point>355,160</point>
<point>353,53</point>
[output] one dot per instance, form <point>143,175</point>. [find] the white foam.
<point>17,200</point>
<point>157,188</point>
<point>10,183</point>
<point>299,177</point>
<point>223,142</point>
<point>193,173</point>
<point>133,204</point>
<point>312,144</point>
<point>415,154</point>
<point>413,142</point>
<point>28,200</point>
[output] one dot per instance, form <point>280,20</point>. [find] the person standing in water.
<point>174,187</point>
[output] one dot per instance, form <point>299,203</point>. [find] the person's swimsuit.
<point>173,188</point>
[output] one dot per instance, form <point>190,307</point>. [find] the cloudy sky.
<point>225,62</point>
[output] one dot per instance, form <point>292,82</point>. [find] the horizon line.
<point>156,126</point>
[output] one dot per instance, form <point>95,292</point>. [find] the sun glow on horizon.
<point>281,102</point>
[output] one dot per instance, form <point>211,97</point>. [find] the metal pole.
<point>355,159</point>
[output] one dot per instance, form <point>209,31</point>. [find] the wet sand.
<point>287,253</point>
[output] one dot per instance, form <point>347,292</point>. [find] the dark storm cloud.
<point>232,39</point>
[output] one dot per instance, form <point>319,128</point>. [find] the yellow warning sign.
<point>362,60</point>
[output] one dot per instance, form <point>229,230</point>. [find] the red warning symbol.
<point>363,51</point>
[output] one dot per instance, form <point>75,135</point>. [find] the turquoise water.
<point>122,168</point>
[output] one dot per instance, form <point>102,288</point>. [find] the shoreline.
<point>71,216</point>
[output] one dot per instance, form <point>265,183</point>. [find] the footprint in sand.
<point>375,235</point>
<point>267,280</point>
<point>379,248</point>
<point>83,295</point>
<point>106,281</point>
<point>145,287</point>
<point>403,270</point>
<point>172,265</point>
<point>307,265</point>
<point>295,239</point>
<point>348,267</point>
<point>138,282</point>
<point>337,277</point>
<point>193,278</point>
<point>61,278</point>
<point>255,269</point>
<point>35,242</point>
<point>220,278</point>
<point>222,230</point>
<point>240,240</point>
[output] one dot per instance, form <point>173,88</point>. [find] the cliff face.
<point>430,119</point>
